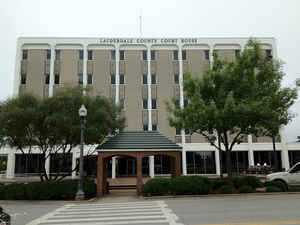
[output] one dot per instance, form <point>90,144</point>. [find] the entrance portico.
<point>137,145</point>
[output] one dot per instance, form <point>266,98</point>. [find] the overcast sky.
<point>160,18</point>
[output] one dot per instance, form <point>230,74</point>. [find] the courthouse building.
<point>140,74</point>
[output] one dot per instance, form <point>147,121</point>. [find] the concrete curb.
<point>218,195</point>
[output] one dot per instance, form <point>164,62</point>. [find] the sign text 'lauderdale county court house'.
<point>147,40</point>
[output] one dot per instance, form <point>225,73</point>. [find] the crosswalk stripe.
<point>113,213</point>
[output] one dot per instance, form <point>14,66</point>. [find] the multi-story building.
<point>141,74</point>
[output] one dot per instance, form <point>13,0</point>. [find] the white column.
<point>217,159</point>
<point>113,167</point>
<point>11,163</point>
<point>74,156</point>
<point>117,53</point>
<point>151,166</point>
<point>250,151</point>
<point>149,88</point>
<point>181,100</point>
<point>51,78</point>
<point>211,57</point>
<point>284,150</point>
<point>17,77</point>
<point>47,164</point>
<point>84,75</point>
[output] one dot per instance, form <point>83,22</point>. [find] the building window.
<point>178,131</point>
<point>122,104</point>
<point>269,54</point>
<point>90,55</point>
<point>121,78</point>
<point>80,54</point>
<point>57,54</point>
<point>23,78</point>
<point>237,52</point>
<point>80,78</point>
<point>175,55</point>
<point>145,103</point>
<point>202,162</point>
<point>145,79</point>
<point>47,78</point>
<point>206,54</point>
<point>176,78</point>
<point>183,54</point>
<point>153,103</point>
<point>24,54</point>
<point>48,54</point>
<point>90,78</point>
<point>154,127</point>
<point>113,55</point>
<point>152,55</point>
<point>113,79</point>
<point>145,127</point>
<point>144,55</point>
<point>122,55</point>
<point>56,78</point>
<point>185,102</point>
<point>153,79</point>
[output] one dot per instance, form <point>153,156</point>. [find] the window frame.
<point>184,53</point>
<point>113,55</point>
<point>175,53</point>
<point>23,79</point>
<point>80,54</point>
<point>47,78</point>
<point>112,78</point>
<point>90,78</point>
<point>153,81</point>
<point>56,78</point>
<point>206,54</point>
<point>48,54</point>
<point>176,78</point>
<point>144,55</point>
<point>154,127</point>
<point>57,54</point>
<point>145,127</point>
<point>153,103</point>
<point>145,103</point>
<point>123,78</point>
<point>80,78</point>
<point>153,55</point>
<point>121,55</point>
<point>24,54</point>
<point>144,78</point>
<point>90,55</point>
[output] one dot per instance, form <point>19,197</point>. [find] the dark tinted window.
<point>24,54</point>
<point>206,53</point>
<point>90,55</point>
<point>178,131</point>
<point>269,53</point>
<point>113,79</point>
<point>57,54</point>
<point>176,78</point>
<point>80,54</point>
<point>237,52</point>
<point>121,78</point>
<point>23,78</point>
<point>48,54</point>
<point>56,78</point>
<point>145,79</point>
<point>80,78</point>
<point>145,127</point>
<point>144,55</point>
<point>153,79</point>
<point>145,103</point>
<point>183,54</point>
<point>154,127</point>
<point>90,79</point>
<point>113,55</point>
<point>153,103</point>
<point>175,55</point>
<point>47,78</point>
<point>122,55</point>
<point>152,55</point>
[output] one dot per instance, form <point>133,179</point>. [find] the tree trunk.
<point>228,165</point>
<point>276,167</point>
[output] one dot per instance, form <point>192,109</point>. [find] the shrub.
<point>252,181</point>
<point>226,189</point>
<point>190,185</point>
<point>246,189</point>
<point>279,184</point>
<point>272,189</point>
<point>217,183</point>
<point>156,186</point>
<point>63,190</point>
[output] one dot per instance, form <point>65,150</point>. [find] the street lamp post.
<point>82,113</point>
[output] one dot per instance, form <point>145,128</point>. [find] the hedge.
<point>63,190</point>
<point>226,189</point>
<point>273,189</point>
<point>279,184</point>
<point>157,186</point>
<point>246,189</point>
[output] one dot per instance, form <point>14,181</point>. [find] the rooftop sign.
<point>148,40</point>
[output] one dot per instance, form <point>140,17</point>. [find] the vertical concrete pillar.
<point>250,151</point>
<point>84,75</point>
<point>117,54</point>
<point>51,78</point>
<point>17,77</point>
<point>74,156</point>
<point>284,150</point>
<point>151,166</point>
<point>113,167</point>
<point>11,164</point>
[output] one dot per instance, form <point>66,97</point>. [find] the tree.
<point>53,124</point>
<point>231,100</point>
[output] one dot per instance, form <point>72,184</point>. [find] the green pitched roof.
<point>139,140</point>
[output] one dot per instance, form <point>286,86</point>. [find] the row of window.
<point>144,78</point>
<point>153,104</point>
<point>144,54</point>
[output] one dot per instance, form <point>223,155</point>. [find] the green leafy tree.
<point>53,124</point>
<point>231,100</point>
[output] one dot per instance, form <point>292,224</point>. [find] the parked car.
<point>289,178</point>
<point>4,217</point>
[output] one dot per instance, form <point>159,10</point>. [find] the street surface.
<point>229,210</point>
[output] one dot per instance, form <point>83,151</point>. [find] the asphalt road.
<point>237,210</point>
